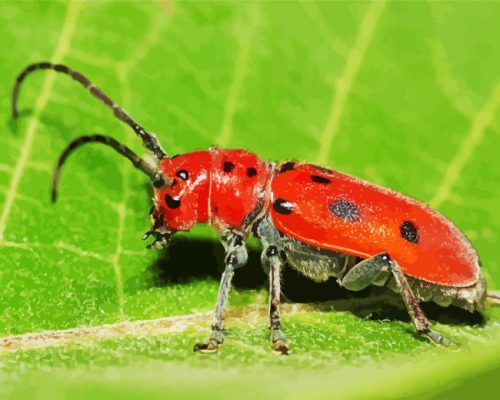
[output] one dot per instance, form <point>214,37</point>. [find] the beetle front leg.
<point>377,269</point>
<point>236,257</point>
<point>272,262</point>
<point>161,239</point>
<point>158,231</point>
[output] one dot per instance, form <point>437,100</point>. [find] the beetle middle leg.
<point>273,263</point>
<point>236,257</point>
<point>376,270</point>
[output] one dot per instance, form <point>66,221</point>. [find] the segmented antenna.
<point>150,141</point>
<point>138,162</point>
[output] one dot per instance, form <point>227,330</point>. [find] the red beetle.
<point>321,222</point>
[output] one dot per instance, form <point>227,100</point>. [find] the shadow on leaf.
<point>188,259</point>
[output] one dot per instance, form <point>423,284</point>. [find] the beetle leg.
<point>158,231</point>
<point>272,263</point>
<point>236,257</point>
<point>365,273</point>
<point>419,319</point>
<point>161,239</point>
<point>377,269</point>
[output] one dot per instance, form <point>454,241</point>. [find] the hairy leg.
<point>273,263</point>
<point>236,257</point>
<point>378,268</point>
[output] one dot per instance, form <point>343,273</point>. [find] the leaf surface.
<point>403,94</point>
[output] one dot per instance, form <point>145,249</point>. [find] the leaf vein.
<point>468,145</point>
<point>314,14</point>
<point>62,48</point>
<point>346,79</point>
<point>239,75</point>
<point>139,328</point>
<point>123,70</point>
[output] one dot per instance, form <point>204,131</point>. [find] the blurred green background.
<point>404,94</point>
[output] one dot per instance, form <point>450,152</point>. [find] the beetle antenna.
<point>149,139</point>
<point>138,162</point>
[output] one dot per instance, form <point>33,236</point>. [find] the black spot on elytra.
<point>183,174</point>
<point>320,179</point>
<point>288,166</point>
<point>345,210</point>
<point>228,166</point>
<point>251,172</point>
<point>216,209</point>
<point>409,232</point>
<point>171,202</point>
<point>283,207</point>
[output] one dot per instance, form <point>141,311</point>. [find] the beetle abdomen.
<point>317,264</point>
<point>321,265</point>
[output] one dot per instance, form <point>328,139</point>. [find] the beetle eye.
<point>183,174</point>
<point>162,182</point>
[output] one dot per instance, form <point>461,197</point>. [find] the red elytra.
<point>439,254</point>
<point>322,222</point>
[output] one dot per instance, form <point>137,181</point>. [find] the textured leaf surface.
<point>402,94</point>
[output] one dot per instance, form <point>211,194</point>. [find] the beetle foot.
<point>207,348</point>
<point>281,348</point>
<point>438,339</point>
<point>216,340</point>
<point>280,343</point>
<point>161,239</point>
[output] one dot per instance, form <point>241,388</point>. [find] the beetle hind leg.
<point>377,270</point>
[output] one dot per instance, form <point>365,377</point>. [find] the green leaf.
<point>404,94</point>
